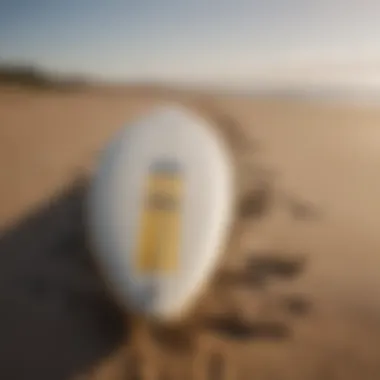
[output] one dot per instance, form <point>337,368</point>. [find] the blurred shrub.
<point>32,77</point>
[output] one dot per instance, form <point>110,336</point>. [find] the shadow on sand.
<point>56,319</point>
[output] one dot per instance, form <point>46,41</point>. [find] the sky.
<point>228,42</point>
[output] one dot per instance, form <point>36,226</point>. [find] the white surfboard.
<point>160,208</point>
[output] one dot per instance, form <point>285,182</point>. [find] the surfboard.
<point>160,207</point>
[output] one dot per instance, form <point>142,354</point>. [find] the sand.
<point>322,158</point>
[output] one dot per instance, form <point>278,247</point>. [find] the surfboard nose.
<point>146,299</point>
<point>152,301</point>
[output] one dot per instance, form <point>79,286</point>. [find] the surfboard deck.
<point>159,210</point>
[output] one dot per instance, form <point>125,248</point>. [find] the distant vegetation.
<point>35,78</point>
<point>32,77</point>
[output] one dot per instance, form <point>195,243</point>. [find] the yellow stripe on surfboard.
<point>158,249</point>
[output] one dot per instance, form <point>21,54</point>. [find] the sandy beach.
<point>321,157</point>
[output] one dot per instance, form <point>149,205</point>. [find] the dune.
<point>308,187</point>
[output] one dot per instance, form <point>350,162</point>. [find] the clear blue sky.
<point>218,41</point>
